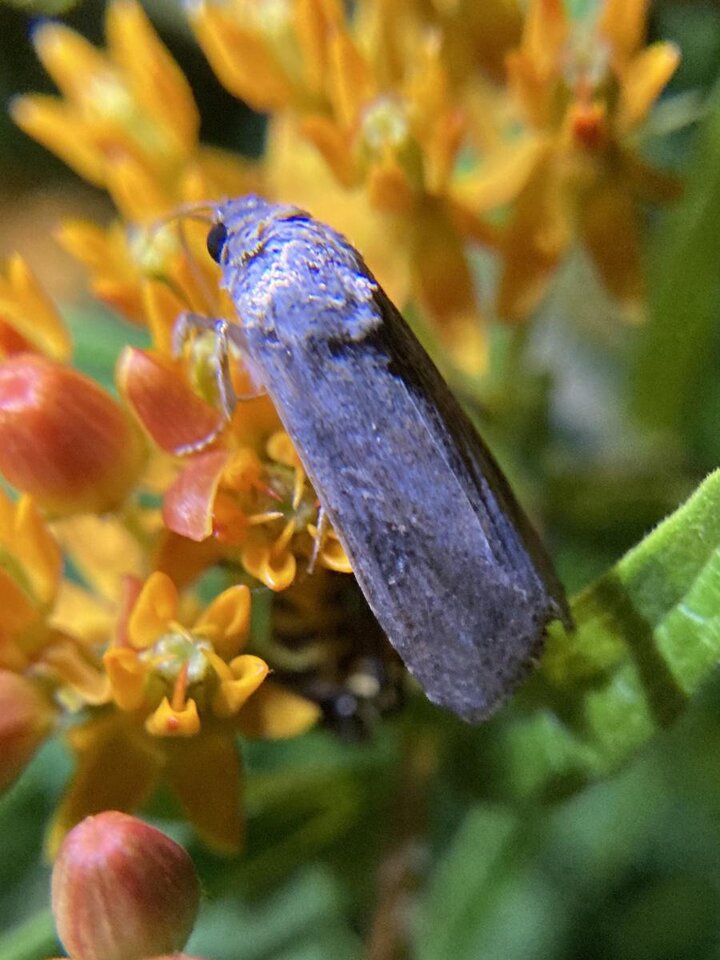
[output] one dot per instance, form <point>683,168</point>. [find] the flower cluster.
<point>128,560</point>
<point>149,683</point>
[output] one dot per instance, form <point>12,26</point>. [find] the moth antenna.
<point>187,211</point>
<point>202,211</point>
<point>197,274</point>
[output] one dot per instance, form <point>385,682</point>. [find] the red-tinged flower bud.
<point>122,890</point>
<point>63,439</point>
<point>26,717</point>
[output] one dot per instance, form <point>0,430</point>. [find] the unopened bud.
<point>63,439</point>
<point>122,890</point>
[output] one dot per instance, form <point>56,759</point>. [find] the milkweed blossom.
<point>151,530</point>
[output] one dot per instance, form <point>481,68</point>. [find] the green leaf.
<point>30,940</point>
<point>674,349</point>
<point>303,920</point>
<point>484,900</point>
<point>648,633</point>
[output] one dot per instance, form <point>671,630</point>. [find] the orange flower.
<point>394,133</point>
<point>127,121</point>
<point>182,694</point>
<point>243,485</point>
<point>33,641</point>
<point>128,117</point>
<point>582,89</point>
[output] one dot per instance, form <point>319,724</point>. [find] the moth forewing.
<point>445,556</point>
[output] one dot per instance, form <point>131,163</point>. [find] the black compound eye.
<point>216,241</point>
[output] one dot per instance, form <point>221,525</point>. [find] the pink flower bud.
<point>63,439</point>
<point>122,890</point>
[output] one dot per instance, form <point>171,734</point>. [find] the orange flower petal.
<point>64,439</point>
<point>535,239</point>
<point>248,673</point>
<point>389,190</point>
<point>117,769</point>
<point>226,620</point>
<point>275,569</point>
<point>58,128</point>
<point>26,717</point>
<point>127,675</point>
<point>648,183</point>
<point>106,253</point>
<point>643,81</point>
<point>611,213</point>
<point>154,609</point>
<point>40,551</point>
<point>82,614</point>
<point>188,505</point>
<point>500,178</point>
<point>313,20</point>
<point>206,775</point>
<point>274,713</point>
<point>333,555</point>
<point>185,560</point>
<point>74,64</point>
<point>162,307</point>
<point>281,448</point>
<point>31,312</point>
<point>156,81</point>
<point>350,84</point>
<point>138,193</point>
<point>239,58</point>
<point>623,24</point>
<point>170,721</point>
<point>75,669</point>
<point>544,35</point>
<point>18,612</point>
<point>173,415</point>
<point>103,551</point>
<point>332,143</point>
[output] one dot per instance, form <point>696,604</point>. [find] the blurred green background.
<point>627,868</point>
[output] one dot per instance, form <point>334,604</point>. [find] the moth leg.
<point>187,323</point>
<point>236,335</point>
<point>226,333</point>
<point>223,332</point>
<point>322,529</point>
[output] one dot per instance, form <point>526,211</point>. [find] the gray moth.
<point>449,563</point>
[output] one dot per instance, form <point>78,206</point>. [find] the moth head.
<point>216,241</point>
<point>243,222</point>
